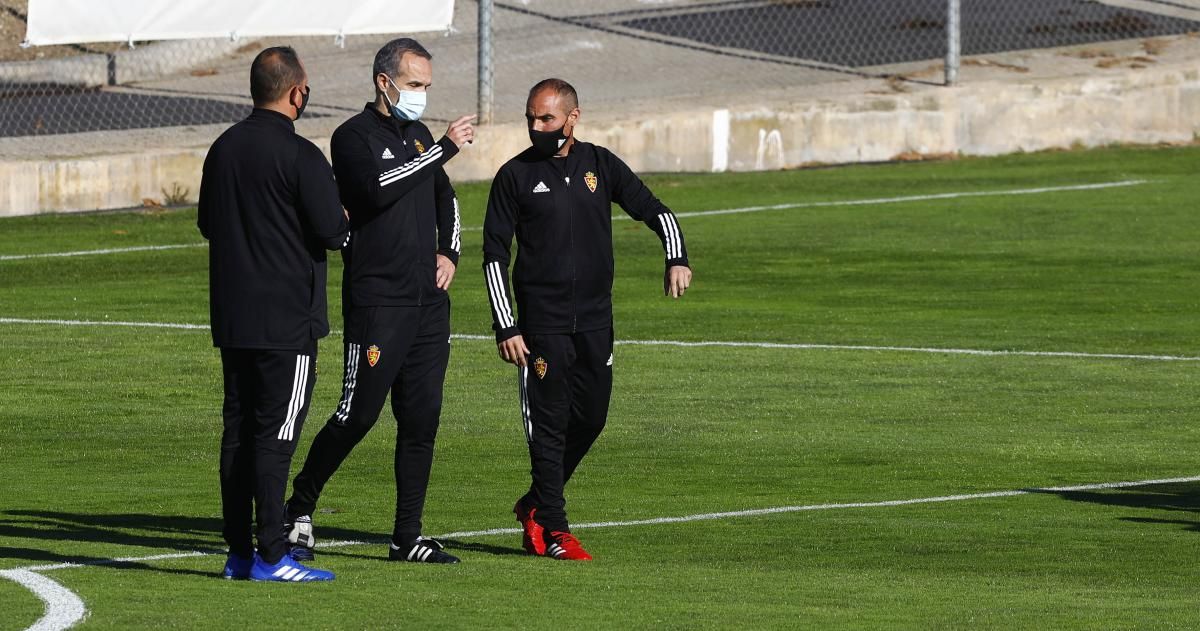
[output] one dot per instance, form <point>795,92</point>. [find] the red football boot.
<point>531,539</point>
<point>565,547</point>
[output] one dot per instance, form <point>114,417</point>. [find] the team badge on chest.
<point>589,178</point>
<point>372,356</point>
<point>540,367</point>
<point>420,147</point>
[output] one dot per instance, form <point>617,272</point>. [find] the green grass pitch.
<point>108,434</point>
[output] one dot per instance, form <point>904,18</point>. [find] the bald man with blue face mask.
<point>404,245</point>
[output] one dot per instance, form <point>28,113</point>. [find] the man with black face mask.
<point>556,198</point>
<point>401,260</point>
<point>269,209</point>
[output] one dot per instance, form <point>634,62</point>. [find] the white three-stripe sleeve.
<point>405,170</point>
<point>670,236</point>
<point>498,294</point>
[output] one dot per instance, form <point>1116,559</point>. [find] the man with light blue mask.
<point>404,246</point>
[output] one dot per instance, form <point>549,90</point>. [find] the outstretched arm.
<point>636,199</point>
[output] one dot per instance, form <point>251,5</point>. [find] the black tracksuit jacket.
<point>269,209</point>
<point>561,212</point>
<point>403,211</point>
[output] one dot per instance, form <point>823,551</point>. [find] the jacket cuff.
<point>450,254</point>
<point>448,148</point>
<point>504,334</point>
<point>681,261</point>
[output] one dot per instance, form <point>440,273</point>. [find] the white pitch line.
<point>877,201</point>
<point>64,609</point>
<point>910,349</point>
<point>874,201</point>
<point>673,520</point>
<point>146,325</point>
<point>698,344</point>
<point>141,248</point>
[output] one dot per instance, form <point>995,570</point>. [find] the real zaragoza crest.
<point>540,366</point>
<point>589,178</point>
<point>373,355</point>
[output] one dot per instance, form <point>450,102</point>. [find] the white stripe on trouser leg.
<point>303,397</point>
<point>456,237</point>
<point>349,382</point>
<point>526,417</point>
<point>291,434</point>
<point>299,386</point>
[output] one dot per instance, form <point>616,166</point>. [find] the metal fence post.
<point>485,62</point>
<point>953,40</point>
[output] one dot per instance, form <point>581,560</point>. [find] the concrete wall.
<point>983,118</point>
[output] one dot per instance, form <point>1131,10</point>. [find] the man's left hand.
<point>677,280</point>
<point>445,272</point>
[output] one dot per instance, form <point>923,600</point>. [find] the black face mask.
<point>303,103</point>
<point>547,143</point>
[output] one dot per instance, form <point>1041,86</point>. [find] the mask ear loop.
<point>385,94</point>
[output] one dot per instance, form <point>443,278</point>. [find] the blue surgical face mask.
<point>409,105</point>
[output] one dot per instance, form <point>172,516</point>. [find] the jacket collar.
<point>384,119</point>
<point>273,117</point>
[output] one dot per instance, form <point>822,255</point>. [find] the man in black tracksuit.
<point>556,198</point>
<point>401,259</point>
<point>269,209</point>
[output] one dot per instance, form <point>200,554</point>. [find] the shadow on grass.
<point>157,532</point>
<point>453,546</point>
<point>1181,498</point>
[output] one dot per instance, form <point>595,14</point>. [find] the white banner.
<point>83,21</point>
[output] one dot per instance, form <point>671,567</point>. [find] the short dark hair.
<point>274,72</point>
<point>565,91</point>
<point>387,60</point>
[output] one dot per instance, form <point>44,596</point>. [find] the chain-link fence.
<point>626,57</point>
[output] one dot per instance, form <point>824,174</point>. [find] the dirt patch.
<point>995,64</point>
<point>1155,47</point>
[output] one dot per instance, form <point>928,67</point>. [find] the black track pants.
<point>266,399</point>
<point>404,351</point>
<point>564,404</point>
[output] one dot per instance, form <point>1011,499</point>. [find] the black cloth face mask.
<point>303,103</point>
<point>547,143</point>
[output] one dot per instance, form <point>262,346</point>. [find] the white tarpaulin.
<point>83,21</point>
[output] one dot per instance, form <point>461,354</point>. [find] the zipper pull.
<point>567,180</point>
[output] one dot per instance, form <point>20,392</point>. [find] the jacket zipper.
<point>574,265</point>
